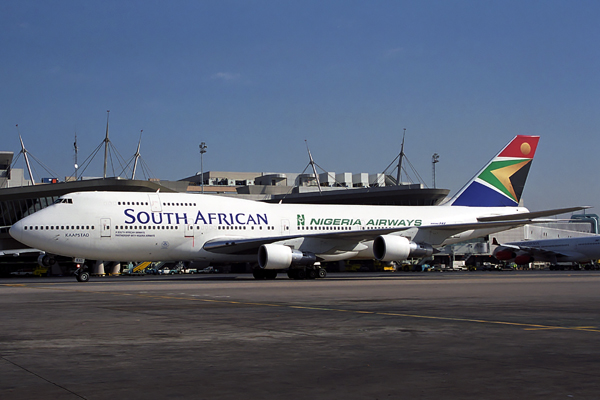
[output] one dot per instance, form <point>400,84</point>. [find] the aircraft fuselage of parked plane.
<point>176,226</point>
<point>554,251</point>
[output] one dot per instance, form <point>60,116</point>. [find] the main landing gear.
<point>307,273</point>
<point>315,272</point>
<point>267,274</point>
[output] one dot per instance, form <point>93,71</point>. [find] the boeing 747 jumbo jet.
<point>567,250</point>
<point>126,226</point>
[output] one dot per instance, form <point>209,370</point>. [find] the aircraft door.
<point>105,227</point>
<point>285,226</point>
<point>189,230</point>
<point>154,202</point>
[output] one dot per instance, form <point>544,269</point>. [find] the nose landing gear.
<point>82,274</point>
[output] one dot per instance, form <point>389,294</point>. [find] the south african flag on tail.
<point>500,183</point>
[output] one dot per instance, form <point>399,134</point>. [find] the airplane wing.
<point>535,214</point>
<point>17,252</point>
<point>530,250</point>
<point>538,251</point>
<point>433,233</point>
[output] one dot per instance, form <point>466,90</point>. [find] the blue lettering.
<point>262,218</point>
<point>169,217</point>
<point>184,218</point>
<point>154,219</point>
<point>200,217</point>
<point>211,216</point>
<point>237,219</point>
<point>145,215</point>
<point>127,211</point>
<point>223,217</point>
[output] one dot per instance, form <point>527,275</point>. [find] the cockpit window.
<point>61,200</point>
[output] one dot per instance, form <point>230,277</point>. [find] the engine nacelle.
<point>398,248</point>
<point>276,256</point>
<point>45,260</point>
<point>505,255</point>
<point>524,259</point>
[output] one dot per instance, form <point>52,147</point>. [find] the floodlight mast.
<point>203,148</point>
<point>435,158</point>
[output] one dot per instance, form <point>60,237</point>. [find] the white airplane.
<point>196,227</point>
<point>568,250</point>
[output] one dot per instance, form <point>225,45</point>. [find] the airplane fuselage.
<point>578,249</point>
<point>174,226</point>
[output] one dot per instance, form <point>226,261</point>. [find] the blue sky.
<point>255,79</point>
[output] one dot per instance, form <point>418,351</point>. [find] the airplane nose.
<point>16,231</point>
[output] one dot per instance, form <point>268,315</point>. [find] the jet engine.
<point>504,255</point>
<point>276,256</point>
<point>523,259</point>
<point>45,260</point>
<point>398,248</point>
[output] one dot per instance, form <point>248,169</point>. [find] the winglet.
<point>500,183</point>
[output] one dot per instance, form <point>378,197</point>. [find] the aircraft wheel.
<point>321,273</point>
<point>270,274</point>
<point>258,273</point>
<point>83,276</point>
<point>300,274</point>
<point>291,273</point>
<point>311,274</point>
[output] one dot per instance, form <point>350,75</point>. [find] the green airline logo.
<point>351,222</point>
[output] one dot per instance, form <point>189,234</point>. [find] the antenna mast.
<point>137,156</point>
<point>24,151</point>
<point>312,164</point>
<point>106,143</point>
<point>398,176</point>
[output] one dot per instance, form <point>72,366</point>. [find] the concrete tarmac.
<point>476,335</point>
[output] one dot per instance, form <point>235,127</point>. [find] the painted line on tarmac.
<point>525,326</point>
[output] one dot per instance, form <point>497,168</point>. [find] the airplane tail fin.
<point>500,183</point>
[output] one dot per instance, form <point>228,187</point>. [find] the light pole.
<point>435,158</point>
<point>202,151</point>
